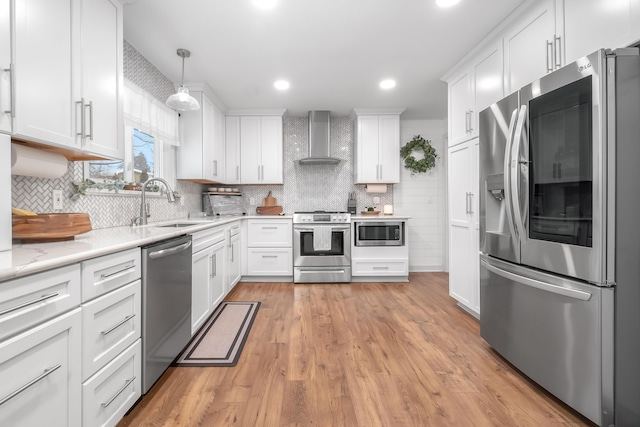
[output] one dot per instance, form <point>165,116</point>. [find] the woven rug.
<point>220,340</point>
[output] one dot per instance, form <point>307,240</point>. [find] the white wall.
<point>423,197</point>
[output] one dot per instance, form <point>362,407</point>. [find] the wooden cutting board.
<point>268,210</point>
<point>54,227</point>
<point>270,200</point>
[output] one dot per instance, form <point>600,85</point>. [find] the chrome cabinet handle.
<point>258,172</point>
<point>231,246</point>
<point>466,202</point>
<point>237,173</point>
<point>213,265</point>
<point>12,87</point>
<point>90,135</point>
<point>470,203</point>
<point>380,267</point>
<point>557,47</point>
<point>470,121</point>
<point>81,104</point>
<point>549,55</point>
<point>381,171</point>
<point>47,372</point>
<point>269,256</point>
<point>215,167</point>
<point>165,252</point>
<point>119,392</point>
<point>28,303</point>
<point>466,121</point>
<point>128,269</point>
<point>117,325</point>
<point>270,228</point>
<point>262,172</point>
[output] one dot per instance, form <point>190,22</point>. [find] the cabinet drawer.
<point>109,394</point>
<point>270,233</point>
<point>110,324</point>
<point>29,300</point>
<point>109,272</point>
<point>270,262</point>
<point>204,239</point>
<point>380,267</point>
<point>40,372</point>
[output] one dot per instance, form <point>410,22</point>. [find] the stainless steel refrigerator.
<point>559,235</point>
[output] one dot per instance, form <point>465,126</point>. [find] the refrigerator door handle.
<point>547,287</point>
<point>507,176</point>
<point>514,172</point>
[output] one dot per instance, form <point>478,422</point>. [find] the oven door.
<point>305,255</point>
<point>557,170</point>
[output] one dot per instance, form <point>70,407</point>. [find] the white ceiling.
<point>333,52</point>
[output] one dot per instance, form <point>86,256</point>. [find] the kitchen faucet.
<point>143,204</point>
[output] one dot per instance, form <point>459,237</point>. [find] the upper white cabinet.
<point>593,24</point>
<point>261,156</point>
<point>5,66</point>
<point>201,156</point>
<point>377,153</point>
<point>232,149</point>
<point>532,46</point>
<point>77,103</point>
<point>473,90</point>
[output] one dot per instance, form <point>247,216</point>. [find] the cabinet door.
<point>5,64</point>
<point>233,262</point>
<point>209,165</point>
<point>218,146</point>
<point>530,46</point>
<point>200,289</point>
<point>389,149</point>
<point>101,55</point>
<point>217,280</point>
<point>232,149</point>
<point>46,77</point>
<point>593,24</point>
<point>46,357</point>
<point>459,109</point>
<point>487,83</point>
<point>271,150</point>
<point>250,155</point>
<point>368,164</point>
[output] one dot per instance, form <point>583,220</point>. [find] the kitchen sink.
<point>176,225</point>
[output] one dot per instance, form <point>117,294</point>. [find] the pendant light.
<point>181,100</point>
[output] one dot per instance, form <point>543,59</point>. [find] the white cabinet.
<point>76,103</point>
<point>261,153</point>
<point>532,46</point>
<point>232,149</point>
<point>377,156</point>
<point>380,263</point>
<point>593,24</point>
<point>208,274</point>
<point>201,155</point>
<point>473,90</point>
<point>270,247</point>
<point>234,257</point>
<point>464,225</point>
<point>40,370</point>
<point>5,66</point>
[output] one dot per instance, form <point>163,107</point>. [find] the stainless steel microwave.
<point>379,233</point>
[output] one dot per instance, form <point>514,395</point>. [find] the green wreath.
<point>422,165</point>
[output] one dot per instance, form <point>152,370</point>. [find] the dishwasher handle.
<point>170,251</point>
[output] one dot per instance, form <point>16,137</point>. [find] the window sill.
<point>125,193</point>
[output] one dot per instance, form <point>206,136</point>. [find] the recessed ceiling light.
<point>281,85</point>
<point>265,4</point>
<point>447,3</point>
<point>388,84</point>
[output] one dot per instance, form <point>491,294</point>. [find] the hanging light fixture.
<point>181,100</point>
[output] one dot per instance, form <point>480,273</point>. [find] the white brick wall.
<point>423,197</point>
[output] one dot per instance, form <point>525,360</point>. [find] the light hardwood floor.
<point>361,354</point>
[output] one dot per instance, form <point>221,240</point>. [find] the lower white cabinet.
<point>40,375</point>
<point>270,247</point>
<point>109,394</point>
<point>207,281</point>
<point>234,257</point>
<point>464,283</point>
<point>380,267</point>
<point>110,324</point>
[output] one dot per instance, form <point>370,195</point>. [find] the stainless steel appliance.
<point>379,233</point>
<point>166,305</point>
<point>559,241</point>
<point>321,247</point>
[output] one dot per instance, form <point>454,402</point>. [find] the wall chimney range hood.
<point>319,144</point>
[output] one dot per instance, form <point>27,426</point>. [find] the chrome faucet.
<point>143,205</point>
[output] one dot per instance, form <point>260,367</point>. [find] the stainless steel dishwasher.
<point>166,305</point>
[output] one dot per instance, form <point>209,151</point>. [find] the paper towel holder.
<point>375,188</point>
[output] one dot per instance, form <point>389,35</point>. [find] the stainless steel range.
<point>321,247</point>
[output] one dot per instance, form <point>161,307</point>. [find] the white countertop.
<point>379,217</point>
<point>27,258</point>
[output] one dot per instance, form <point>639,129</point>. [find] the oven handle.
<point>343,229</point>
